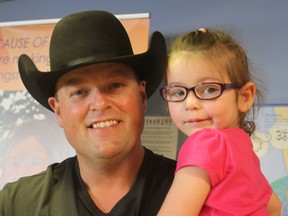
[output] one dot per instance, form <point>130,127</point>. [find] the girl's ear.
<point>246,97</point>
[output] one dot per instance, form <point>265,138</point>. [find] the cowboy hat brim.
<point>149,66</point>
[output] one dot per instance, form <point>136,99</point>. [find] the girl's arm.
<point>274,206</point>
<point>188,192</point>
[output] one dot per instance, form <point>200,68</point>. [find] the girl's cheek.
<point>174,113</point>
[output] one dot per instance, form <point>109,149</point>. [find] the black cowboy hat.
<point>87,38</point>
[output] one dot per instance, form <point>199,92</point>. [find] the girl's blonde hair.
<point>224,51</point>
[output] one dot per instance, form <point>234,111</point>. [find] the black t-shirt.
<point>59,191</point>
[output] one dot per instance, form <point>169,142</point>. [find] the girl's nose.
<point>192,102</point>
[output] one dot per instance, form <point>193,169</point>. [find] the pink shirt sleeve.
<point>205,149</point>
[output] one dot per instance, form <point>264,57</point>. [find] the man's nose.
<point>98,100</point>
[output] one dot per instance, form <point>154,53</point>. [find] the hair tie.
<point>202,30</point>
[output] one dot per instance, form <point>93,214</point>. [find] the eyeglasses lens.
<point>208,90</point>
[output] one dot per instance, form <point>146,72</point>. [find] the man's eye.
<point>115,86</point>
<point>79,92</point>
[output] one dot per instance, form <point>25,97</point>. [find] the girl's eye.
<point>178,92</point>
<point>210,90</point>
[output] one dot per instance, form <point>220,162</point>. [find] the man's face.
<point>101,108</point>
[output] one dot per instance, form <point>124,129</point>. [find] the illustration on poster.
<point>19,43</point>
<point>270,142</point>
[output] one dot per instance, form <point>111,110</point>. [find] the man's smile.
<point>104,124</point>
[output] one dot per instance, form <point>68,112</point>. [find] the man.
<point>98,90</point>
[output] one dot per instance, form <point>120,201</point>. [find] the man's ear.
<point>246,97</point>
<point>54,104</point>
<point>142,86</point>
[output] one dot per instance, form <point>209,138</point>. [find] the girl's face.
<point>194,114</point>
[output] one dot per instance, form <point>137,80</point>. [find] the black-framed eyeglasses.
<point>203,91</point>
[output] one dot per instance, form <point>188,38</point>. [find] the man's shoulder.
<point>43,194</point>
<point>159,163</point>
<point>54,173</point>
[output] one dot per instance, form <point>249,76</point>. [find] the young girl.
<point>209,93</point>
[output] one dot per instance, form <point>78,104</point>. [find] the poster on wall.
<point>271,145</point>
<point>30,138</point>
<point>160,135</point>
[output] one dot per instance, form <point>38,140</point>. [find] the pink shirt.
<point>238,186</point>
